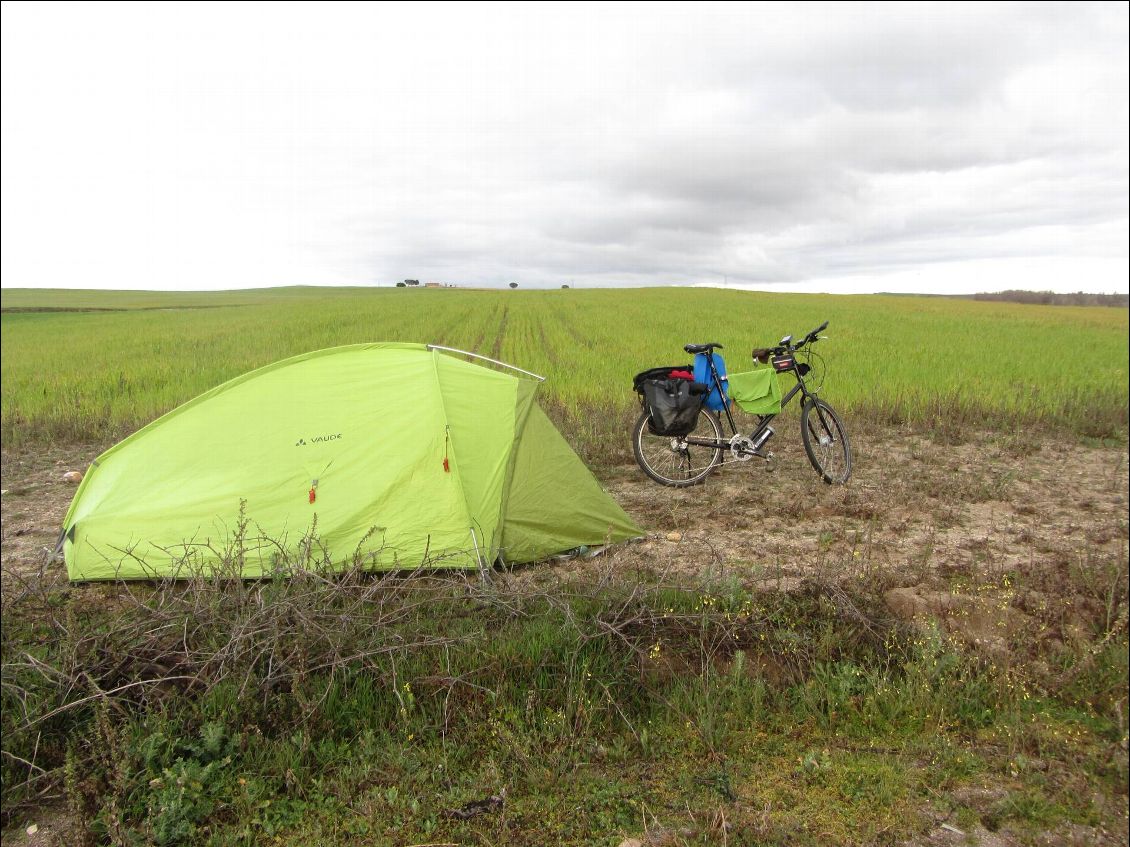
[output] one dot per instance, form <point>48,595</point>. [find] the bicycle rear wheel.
<point>825,442</point>
<point>670,460</point>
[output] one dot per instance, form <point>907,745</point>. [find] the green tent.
<point>397,453</point>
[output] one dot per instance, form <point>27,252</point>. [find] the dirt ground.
<point>997,503</point>
<point>992,505</point>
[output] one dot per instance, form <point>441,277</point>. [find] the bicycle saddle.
<point>702,348</point>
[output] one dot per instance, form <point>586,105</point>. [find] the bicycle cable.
<point>819,369</point>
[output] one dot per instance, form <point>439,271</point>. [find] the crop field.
<point>93,375</point>
<point>933,654</point>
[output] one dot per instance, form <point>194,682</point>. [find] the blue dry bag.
<point>714,400</point>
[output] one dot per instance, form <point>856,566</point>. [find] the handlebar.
<point>762,354</point>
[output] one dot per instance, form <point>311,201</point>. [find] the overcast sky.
<point>849,147</point>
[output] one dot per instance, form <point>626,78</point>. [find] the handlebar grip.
<point>814,335</point>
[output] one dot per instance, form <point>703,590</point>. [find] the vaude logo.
<point>302,442</point>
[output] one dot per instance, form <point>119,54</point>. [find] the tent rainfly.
<point>399,453</point>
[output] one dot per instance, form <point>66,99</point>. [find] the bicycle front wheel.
<point>825,442</point>
<point>669,460</point>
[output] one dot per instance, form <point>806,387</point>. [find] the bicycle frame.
<point>763,420</point>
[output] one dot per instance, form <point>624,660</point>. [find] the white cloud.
<point>214,146</point>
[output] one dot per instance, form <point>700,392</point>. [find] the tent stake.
<point>479,558</point>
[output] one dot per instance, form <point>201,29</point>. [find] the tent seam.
<point>512,459</point>
<point>456,472</point>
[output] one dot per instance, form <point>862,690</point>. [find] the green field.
<point>74,374</point>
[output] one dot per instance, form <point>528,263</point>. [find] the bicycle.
<point>669,460</point>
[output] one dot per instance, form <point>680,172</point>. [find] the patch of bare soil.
<point>35,499</point>
<point>997,504</point>
<point>1006,539</point>
<point>49,826</point>
<point>1068,835</point>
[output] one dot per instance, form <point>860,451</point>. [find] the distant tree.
<point>513,285</point>
<point>411,282</point>
<point>1051,298</point>
<point>400,285</point>
<point>564,286</point>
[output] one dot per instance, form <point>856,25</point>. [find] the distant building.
<point>433,285</point>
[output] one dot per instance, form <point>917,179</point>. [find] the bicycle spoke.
<point>826,442</point>
<point>673,461</point>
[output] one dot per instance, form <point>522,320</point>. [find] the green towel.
<point>757,392</point>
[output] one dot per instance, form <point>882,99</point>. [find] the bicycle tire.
<point>825,442</point>
<point>669,460</point>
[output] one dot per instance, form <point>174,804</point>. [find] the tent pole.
<point>486,359</point>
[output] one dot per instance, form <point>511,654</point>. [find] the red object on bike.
<point>681,375</point>
<point>446,465</point>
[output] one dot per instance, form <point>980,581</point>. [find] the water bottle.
<point>766,434</point>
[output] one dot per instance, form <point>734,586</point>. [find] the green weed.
<point>601,710</point>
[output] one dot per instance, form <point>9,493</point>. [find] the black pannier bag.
<point>655,373</point>
<point>673,405</point>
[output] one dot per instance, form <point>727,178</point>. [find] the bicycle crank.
<point>741,448</point>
